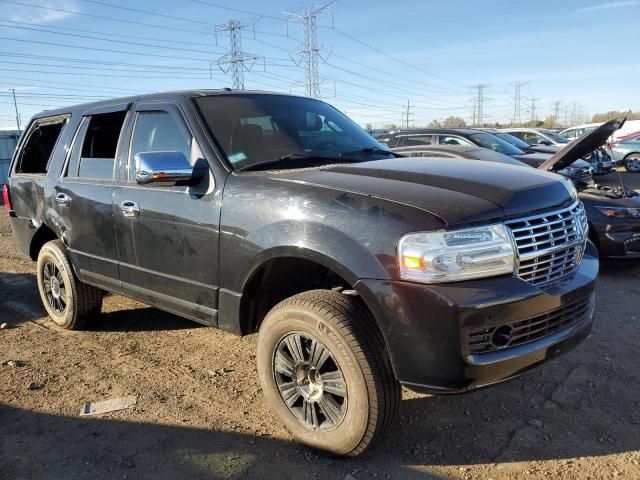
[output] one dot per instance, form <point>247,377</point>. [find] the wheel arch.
<point>281,273</point>
<point>43,235</point>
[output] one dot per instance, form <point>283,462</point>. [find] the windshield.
<point>515,141</point>
<point>254,129</point>
<point>487,140</point>
<point>554,136</point>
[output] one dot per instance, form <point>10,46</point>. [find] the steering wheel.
<point>324,145</point>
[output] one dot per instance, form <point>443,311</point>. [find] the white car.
<point>629,128</point>
<point>575,132</point>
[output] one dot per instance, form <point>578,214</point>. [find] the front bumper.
<point>426,326</point>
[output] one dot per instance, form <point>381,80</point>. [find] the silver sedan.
<point>627,152</point>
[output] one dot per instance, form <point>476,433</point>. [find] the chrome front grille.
<point>550,245</point>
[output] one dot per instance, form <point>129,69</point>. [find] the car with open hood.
<point>274,214</point>
<point>613,213</point>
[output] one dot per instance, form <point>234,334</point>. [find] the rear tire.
<point>350,399</point>
<point>68,301</point>
<point>632,163</point>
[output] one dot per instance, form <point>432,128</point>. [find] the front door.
<point>167,237</point>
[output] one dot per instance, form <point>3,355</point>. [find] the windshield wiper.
<point>291,156</point>
<point>370,151</point>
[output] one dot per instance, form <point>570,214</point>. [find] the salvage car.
<point>540,139</point>
<point>274,214</point>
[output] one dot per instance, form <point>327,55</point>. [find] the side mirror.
<point>164,169</point>
<point>546,143</point>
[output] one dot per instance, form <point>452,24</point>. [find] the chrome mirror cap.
<point>162,169</point>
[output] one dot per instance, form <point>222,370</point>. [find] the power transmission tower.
<point>479,101</point>
<point>407,116</point>
<point>310,52</point>
<point>15,105</point>
<point>556,113</point>
<point>236,60</point>
<point>517,103</point>
<point>474,104</point>
<point>534,117</point>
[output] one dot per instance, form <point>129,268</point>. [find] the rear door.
<point>83,197</point>
<point>167,237</point>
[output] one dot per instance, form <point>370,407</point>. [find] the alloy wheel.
<point>54,287</point>
<point>310,381</point>
<point>633,163</point>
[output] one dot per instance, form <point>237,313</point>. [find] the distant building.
<point>8,142</point>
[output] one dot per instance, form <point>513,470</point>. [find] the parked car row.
<point>613,213</point>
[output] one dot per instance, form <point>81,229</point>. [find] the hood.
<point>583,146</point>
<point>456,191</point>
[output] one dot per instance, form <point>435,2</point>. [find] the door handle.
<point>63,199</point>
<point>130,209</point>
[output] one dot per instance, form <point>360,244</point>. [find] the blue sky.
<point>583,53</point>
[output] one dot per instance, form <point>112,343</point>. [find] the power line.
<point>101,17</point>
<point>146,12</point>
<point>101,49</point>
<point>377,50</point>
<point>118,35</point>
<point>84,74</point>
<point>238,10</point>
<point>124,42</point>
<point>310,50</point>
<point>203,71</point>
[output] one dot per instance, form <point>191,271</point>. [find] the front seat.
<point>248,139</point>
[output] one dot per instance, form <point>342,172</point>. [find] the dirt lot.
<point>200,411</point>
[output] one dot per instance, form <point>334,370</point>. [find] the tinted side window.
<point>36,152</point>
<point>531,138</point>
<point>413,140</point>
<point>451,140</point>
<point>158,132</point>
<point>100,144</point>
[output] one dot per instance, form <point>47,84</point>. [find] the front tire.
<point>68,301</point>
<point>324,369</point>
<point>632,163</point>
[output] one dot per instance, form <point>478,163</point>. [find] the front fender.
<point>319,243</point>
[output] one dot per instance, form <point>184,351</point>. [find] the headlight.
<point>620,212</point>
<point>449,256</point>
<point>571,188</point>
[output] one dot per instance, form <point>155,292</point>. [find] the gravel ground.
<point>200,412</point>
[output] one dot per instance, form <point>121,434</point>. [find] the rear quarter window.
<point>42,137</point>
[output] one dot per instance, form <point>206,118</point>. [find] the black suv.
<point>269,213</point>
